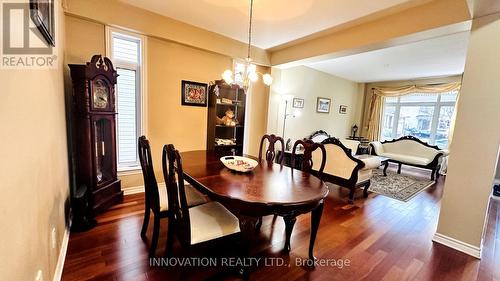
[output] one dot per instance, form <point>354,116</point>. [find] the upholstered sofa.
<point>344,169</point>
<point>411,151</point>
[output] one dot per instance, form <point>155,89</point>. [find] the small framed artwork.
<point>323,105</point>
<point>193,93</point>
<point>298,103</point>
<point>343,109</point>
<point>42,14</point>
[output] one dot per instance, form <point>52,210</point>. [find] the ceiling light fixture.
<point>249,73</point>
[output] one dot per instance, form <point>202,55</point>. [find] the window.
<point>423,115</point>
<point>126,52</point>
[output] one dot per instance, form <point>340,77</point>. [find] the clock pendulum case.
<point>94,132</point>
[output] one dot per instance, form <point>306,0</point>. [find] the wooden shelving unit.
<point>216,108</point>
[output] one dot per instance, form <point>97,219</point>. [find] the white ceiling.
<point>275,21</point>
<point>442,56</point>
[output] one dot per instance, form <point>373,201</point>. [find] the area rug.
<point>397,186</point>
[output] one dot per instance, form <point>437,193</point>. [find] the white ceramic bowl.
<point>239,163</point>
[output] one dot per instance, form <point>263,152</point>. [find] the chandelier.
<point>247,73</point>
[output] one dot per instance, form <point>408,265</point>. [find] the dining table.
<point>269,189</point>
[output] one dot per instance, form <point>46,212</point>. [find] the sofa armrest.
<point>377,147</point>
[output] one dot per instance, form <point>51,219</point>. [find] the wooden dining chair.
<point>156,198</point>
<point>199,224</point>
<point>270,153</point>
<point>307,164</point>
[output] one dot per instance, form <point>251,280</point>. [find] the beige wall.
<point>369,92</point>
<point>258,101</point>
<point>476,137</point>
<point>33,167</point>
<point>307,83</point>
<point>167,64</point>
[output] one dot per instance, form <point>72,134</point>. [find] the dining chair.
<point>156,197</point>
<point>307,164</point>
<point>270,153</point>
<point>199,224</point>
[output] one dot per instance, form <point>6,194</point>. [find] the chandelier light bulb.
<point>228,76</point>
<point>247,72</point>
<point>267,78</point>
<point>253,76</point>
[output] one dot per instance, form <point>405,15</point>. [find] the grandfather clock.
<point>94,132</point>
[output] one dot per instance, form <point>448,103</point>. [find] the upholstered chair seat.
<point>199,224</point>
<point>366,172</point>
<point>364,176</point>
<point>193,197</point>
<point>211,221</point>
<point>371,162</point>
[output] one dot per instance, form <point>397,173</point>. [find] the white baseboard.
<point>457,245</point>
<point>133,190</point>
<point>62,256</point>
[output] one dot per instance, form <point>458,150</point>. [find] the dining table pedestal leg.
<point>289,223</point>
<point>315,219</point>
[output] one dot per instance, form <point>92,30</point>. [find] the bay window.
<point>426,116</point>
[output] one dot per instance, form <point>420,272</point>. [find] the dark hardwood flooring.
<point>383,239</point>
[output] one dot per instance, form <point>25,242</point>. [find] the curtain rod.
<point>432,84</point>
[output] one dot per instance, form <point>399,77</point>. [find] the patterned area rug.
<point>397,186</point>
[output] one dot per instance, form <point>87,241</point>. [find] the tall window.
<point>425,116</point>
<point>126,52</point>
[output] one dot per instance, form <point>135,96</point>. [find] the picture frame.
<point>343,109</point>
<point>194,93</point>
<point>42,14</point>
<point>298,103</point>
<point>323,105</point>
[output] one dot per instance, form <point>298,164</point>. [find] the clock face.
<point>100,94</point>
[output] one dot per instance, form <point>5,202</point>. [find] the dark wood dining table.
<point>270,189</point>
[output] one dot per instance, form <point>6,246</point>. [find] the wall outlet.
<point>39,275</point>
<point>53,238</point>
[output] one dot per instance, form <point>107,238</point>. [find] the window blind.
<point>126,56</point>
<point>127,116</point>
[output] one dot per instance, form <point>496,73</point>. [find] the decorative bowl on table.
<point>239,163</point>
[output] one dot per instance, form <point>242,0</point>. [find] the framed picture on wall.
<point>323,105</point>
<point>193,93</point>
<point>42,14</point>
<point>298,103</point>
<point>343,109</point>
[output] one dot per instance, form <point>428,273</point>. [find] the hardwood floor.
<point>382,238</point>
